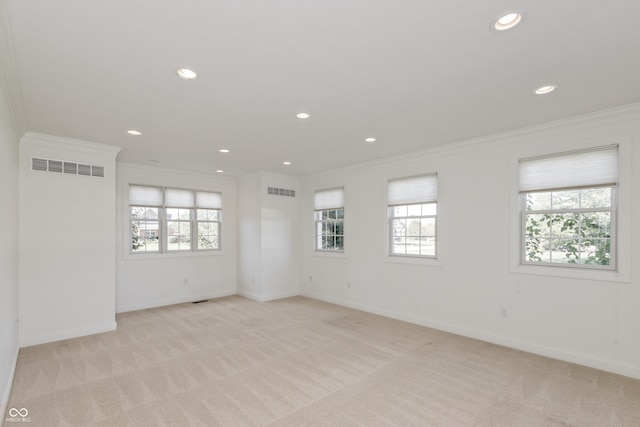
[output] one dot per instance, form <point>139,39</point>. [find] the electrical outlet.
<point>504,312</point>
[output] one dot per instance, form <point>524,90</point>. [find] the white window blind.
<point>332,198</point>
<point>141,195</point>
<point>416,189</point>
<point>208,200</point>
<point>578,169</point>
<point>177,198</point>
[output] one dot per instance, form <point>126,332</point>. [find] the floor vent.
<point>70,168</point>
<point>281,192</point>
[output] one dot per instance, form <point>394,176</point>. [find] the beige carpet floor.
<point>301,362</point>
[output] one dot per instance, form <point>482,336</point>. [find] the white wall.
<point>67,242</point>
<point>268,237</point>
<point>152,280</point>
<point>8,250</point>
<point>586,318</point>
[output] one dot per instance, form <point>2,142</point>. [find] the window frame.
<point>164,222</point>
<point>326,200</point>
<point>613,231</point>
<point>391,235</point>
<point>543,147</point>
<point>319,224</point>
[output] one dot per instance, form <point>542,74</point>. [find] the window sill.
<point>572,272</point>
<point>329,254</point>
<point>174,254</point>
<point>413,260</point>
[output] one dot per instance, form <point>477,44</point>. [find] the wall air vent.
<point>70,168</point>
<point>281,192</point>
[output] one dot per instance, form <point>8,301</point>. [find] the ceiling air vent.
<point>70,168</point>
<point>281,192</point>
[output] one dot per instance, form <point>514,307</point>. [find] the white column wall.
<point>67,242</point>
<point>579,319</point>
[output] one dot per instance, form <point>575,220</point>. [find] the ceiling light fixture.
<point>223,150</point>
<point>543,90</point>
<point>134,132</point>
<point>302,115</point>
<point>370,139</point>
<point>219,170</point>
<point>286,163</point>
<point>507,21</point>
<point>187,74</point>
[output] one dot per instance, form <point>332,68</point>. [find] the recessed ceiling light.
<point>507,21</point>
<point>302,115</point>
<point>187,74</point>
<point>219,170</point>
<point>543,90</point>
<point>286,163</point>
<point>223,150</point>
<point>134,132</point>
<point>370,139</point>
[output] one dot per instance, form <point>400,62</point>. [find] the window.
<point>172,219</point>
<point>568,208</point>
<point>329,219</point>
<point>413,206</point>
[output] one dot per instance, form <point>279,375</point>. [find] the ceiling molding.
<point>9,79</point>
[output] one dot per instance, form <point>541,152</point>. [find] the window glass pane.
<point>428,227</point>
<point>178,235</point>
<point>565,199</point>
<point>414,210</point>
<point>428,246</point>
<point>208,235</point>
<point>144,236</point>
<point>400,210</point>
<point>413,227</point>
<point>340,214</point>
<point>208,215</point>
<point>595,198</point>
<point>429,208</point>
<point>596,224</point>
<point>179,213</point>
<point>144,212</point>
<point>538,201</point>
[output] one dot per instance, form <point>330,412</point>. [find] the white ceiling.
<point>414,74</point>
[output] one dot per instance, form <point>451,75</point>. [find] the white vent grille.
<point>71,168</point>
<point>281,192</point>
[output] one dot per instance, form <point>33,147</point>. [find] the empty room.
<point>320,213</point>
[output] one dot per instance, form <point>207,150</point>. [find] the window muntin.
<point>413,229</point>
<point>171,220</point>
<point>329,219</point>
<point>574,224</point>
<point>330,230</point>
<point>412,211</point>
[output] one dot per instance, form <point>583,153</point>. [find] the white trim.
<point>255,297</point>
<point>68,334</point>
<point>608,365</point>
<point>44,141</point>
<point>172,301</point>
<point>7,391</point>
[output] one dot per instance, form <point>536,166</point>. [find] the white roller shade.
<point>208,200</point>
<point>332,198</point>
<point>578,169</point>
<point>415,189</point>
<point>178,198</point>
<point>141,195</point>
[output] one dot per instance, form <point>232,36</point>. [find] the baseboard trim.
<point>272,297</point>
<point>162,303</point>
<point>7,390</point>
<point>71,333</point>
<point>603,364</point>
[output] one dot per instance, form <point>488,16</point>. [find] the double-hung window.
<point>329,219</point>
<point>568,208</point>
<point>413,208</point>
<point>173,220</point>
